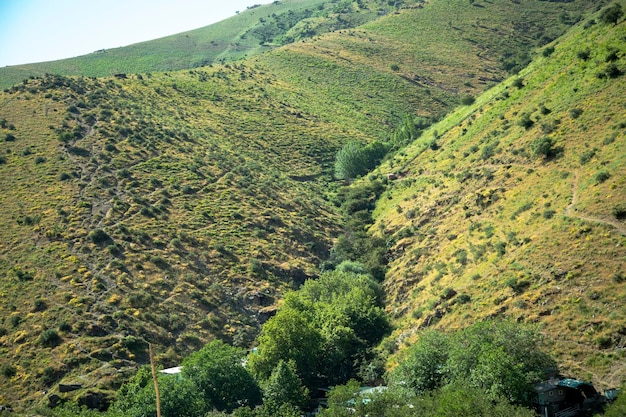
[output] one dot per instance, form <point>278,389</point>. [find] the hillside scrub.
<point>178,207</point>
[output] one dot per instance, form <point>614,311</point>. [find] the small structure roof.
<point>172,371</point>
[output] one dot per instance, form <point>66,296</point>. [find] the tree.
<point>284,386</point>
<point>355,159</point>
<point>422,370</point>
<point>217,371</point>
<point>350,161</point>
<point>287,336</point>
<point>137,398</point>
<point>451,401</point>
<point>346,309</point>
<point>501,358</point>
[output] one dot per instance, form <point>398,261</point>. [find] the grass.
<point>520,262</point>
<point>232,39</point>
<point>165,203</point>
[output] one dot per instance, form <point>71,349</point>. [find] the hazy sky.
<point>46,30</point>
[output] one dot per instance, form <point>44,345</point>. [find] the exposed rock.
<point>69,387</point>
<point>95,400</point>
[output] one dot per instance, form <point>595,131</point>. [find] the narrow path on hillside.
<point>621,228</point>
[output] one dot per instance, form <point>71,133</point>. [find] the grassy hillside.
<point>253,31</point>
<point>518,210</point>
<point>174,208</point>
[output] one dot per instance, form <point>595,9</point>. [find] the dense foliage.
<point>325,328</point>
<point>450,401</point>
<point>501,359</point>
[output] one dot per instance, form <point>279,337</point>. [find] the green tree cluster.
<point>324,329</point>
<point>501,359</point>
<point>355,243</point>
<point>212,379</point>
<point>355,159</point>
<point>450,401</point>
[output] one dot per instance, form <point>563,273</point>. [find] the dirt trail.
<point>570,211</point>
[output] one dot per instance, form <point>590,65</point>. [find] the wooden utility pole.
<point>156,383</point>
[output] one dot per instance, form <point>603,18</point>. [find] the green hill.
<point>176,207</point>
<point>253,31</point>
<point>518,211</point>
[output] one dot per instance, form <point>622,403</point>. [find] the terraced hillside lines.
<point>177,207</point>
<point>518,209</point>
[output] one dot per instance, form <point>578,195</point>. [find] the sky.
<point>46,30</point>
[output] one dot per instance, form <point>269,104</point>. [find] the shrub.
<point>575,112</point>
<point>99,236</point>
<point>611,71</point>
<point>619,211</point>
<point>256,268</point>
<point>584,54</point>
<point>544,147</point>
<point>467,100</point>
<point>49,338</point>
<point>40,160</point>
<point>39,305</point>
<point>602,176</point>
<point>9,138</point>
<point>612,14</point>
<point>394,67</point>
<point>586,156</point>
<point>463,299</point>
<point>65,327</point>
<point>525,121</point>
<point>518,82</point>
<point>15,320</point>
<point>488,151</point>
<point>548,214</point>
<point>548,51</point>
<point>8,371</point>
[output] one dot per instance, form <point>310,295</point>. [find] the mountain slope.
<point>253,31</point>
<point>517,209</point>
<point>174,208</point>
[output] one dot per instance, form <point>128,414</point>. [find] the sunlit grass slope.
<point>519,208</point>
<point>253,31</point>
<point>176,207</point>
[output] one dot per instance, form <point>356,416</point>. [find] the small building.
<point>566,397</point>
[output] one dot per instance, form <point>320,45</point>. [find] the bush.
<point>548,51</point>
<point>467,100</point>
<point>354,159</point>
<point>8,371</point>
<point>9,138</point>
<point>49,338</point>
<point>619,211</point>
<point>99,236</point>
<point>602,176</point>
<point>611,71</point>
<point>518,82</point>
<point>544,147</point>
<point>525,121</point>
<point>575,112</point>
<point>612,14</point>
<point>584,54</point>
